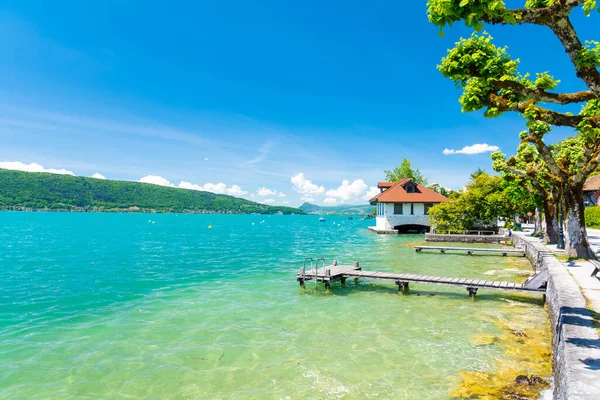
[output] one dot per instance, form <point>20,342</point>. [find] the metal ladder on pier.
<point>316,267</point>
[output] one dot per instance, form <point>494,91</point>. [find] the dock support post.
<point>327,281</point>
<point>503,254</point>
<point>472,292</point>
<point>301,280</point>
<point>443,251</point>
<point>343,280</point>
<point>470,252</point>
<point>357,265</point>
<point>402,287</point>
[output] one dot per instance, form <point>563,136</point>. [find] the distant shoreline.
<point>140,211</point>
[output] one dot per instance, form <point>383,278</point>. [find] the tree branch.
<point>546,155</point>
<point>538,16</point>
<point>591,166</point>
<point>565,32</point>
<point>549,116</point>
<point>546,97</point>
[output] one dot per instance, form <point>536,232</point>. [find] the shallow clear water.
<point>161,306</point>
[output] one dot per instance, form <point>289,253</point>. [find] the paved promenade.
<point>582,270</point>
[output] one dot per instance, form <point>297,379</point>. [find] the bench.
<point>596,265</point>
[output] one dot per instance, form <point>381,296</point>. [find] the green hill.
<point>343,209</point>
<point>42,191</point>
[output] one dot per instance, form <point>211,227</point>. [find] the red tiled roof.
<point>397,194</point>
<point>383,185</point>
<point>592,184</point>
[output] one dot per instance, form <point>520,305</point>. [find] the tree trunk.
<point>576,242</point>
<point>551,214</point>
<point>539,230</point>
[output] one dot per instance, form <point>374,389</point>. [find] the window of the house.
<point>398,208</point>
<point>410,188</point>
<point>412,208</point>
<point>427,207</point>
<point>380,209</point>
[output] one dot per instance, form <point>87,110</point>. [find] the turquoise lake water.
<point>159,306</point>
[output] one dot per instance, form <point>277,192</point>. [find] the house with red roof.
<point>402,207</point>
<point>591,191</point>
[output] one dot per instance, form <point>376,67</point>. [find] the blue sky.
<point>248,95</point>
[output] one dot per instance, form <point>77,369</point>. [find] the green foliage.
<point>474,64</point>
<point>589,56</point>
<point>44,191</point>
<point>484,200</point>
<point>471,12</point>
<point>545,81</point>
<point>589,6</point>
<point>592,217</point>
<point>404,170</point>
<point>436,187</point>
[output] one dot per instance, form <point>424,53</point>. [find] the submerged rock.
<point>523,380</point>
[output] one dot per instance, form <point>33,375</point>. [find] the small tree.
<point>490,80</point>
<point>484,200</point>
<point>404,170</point>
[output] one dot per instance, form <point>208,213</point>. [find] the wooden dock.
<point>470,250</point>
<point>333,273</point>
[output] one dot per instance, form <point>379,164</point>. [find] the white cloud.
<point>285,202</point>
<point>218,188</point>
<point>308,199</point>
<point>268,201</point>
<point>305,186</point>
<point>156,180</point>
<point>477,148</point>
<point>349,191</point>
<point>330,201</point>
<point>235,190</point>
<point>98,176</point>
<point>33,167</point>
<point>372,192</point>
<point>189,186</point>
<point>263,191</point>
<point>281,194</point>
<point>205,158</point>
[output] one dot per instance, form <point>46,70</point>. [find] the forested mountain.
<point>341,209</point>
<point>43,191</point>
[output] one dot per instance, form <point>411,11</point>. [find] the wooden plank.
<point>497,284</point>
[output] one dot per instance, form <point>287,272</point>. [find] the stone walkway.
<point>582,270</point>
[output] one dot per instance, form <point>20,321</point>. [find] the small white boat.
<point>321,219</point>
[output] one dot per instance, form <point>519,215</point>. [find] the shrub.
<point>592,217</point>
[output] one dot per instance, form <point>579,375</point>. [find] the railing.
<point>469,232</point>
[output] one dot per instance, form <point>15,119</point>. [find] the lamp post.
<point>561,236</point>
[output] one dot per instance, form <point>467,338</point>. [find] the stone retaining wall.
<point>436,237</point>
<point>575,341</point>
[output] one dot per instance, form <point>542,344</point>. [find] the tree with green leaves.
<point>527,171</point>
<point>490,81</point>
<point>404,170</point>
<point>483,201</point>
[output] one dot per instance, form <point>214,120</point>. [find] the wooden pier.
<point>333,273</point>
<point>470,250</point>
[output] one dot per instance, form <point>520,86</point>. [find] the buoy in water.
<point>210,227</point>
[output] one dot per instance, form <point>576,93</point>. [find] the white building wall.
<point>389,220</point>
